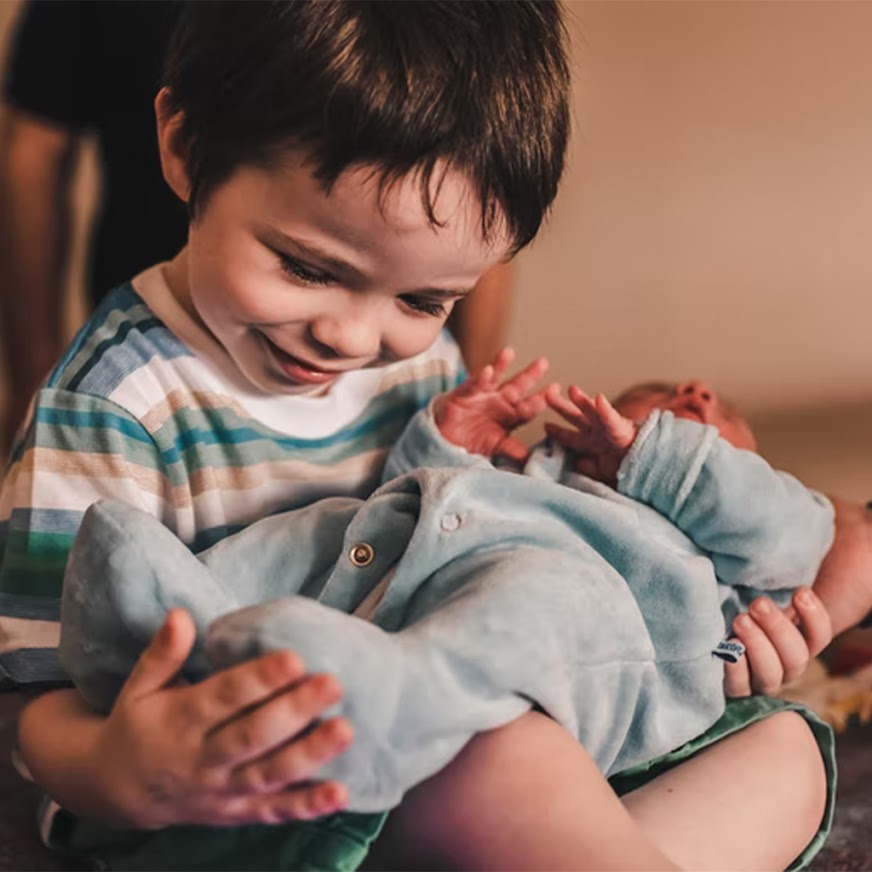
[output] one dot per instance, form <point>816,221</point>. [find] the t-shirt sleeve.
<point>75,450</point>
<point>49,62</point>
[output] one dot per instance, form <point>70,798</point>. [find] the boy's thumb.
<point>163,659</point>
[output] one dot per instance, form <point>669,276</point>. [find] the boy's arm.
<point>844,581</point>
<point>762,528</point>
<point>204,753</point>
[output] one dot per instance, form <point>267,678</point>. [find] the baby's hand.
<point>601,438</point>
<point>778,643</point>
<point>480,414</point>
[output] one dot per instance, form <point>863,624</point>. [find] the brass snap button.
<point>361,554</point>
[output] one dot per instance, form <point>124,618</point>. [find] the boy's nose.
<point>350,335</point>
<point>696,389</point>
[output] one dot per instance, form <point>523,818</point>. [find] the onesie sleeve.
<point>76,449</point>
<point>762,528</point>
<point>421,446</point>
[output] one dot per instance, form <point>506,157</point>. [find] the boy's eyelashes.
<point>299,270</point>
<point>296,269</point>
<point>428,307</point>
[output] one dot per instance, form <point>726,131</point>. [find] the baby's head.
<point>694,400</point>
<point>351,169</point>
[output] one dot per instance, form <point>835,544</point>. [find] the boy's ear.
<point>169,141</point>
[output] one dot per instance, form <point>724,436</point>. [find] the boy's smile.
<point>300,286</point>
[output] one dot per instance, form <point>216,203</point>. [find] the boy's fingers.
<point>295,762</point>
<point>815,623</point>
<point>764,664</point>
<point>273,723</point>
<point>300,803</point>
<point>737,678</point>
<point>788,643</point>
<point>162,660</point>
<point>224,696</point>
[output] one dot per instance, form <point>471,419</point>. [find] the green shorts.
<point>342,841</point>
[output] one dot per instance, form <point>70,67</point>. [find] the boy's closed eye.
<point>425,306</point>
<point>301,271</point>
<point>297,269</point>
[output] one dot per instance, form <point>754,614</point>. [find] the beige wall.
<point>717,215</point>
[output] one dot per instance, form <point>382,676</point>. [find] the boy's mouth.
<point>295,369</point>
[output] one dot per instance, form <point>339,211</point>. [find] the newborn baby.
<point>459,595</point>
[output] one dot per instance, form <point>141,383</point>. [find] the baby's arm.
<point>762,528</point>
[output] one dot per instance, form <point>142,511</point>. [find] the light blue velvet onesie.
<point>458,596</point>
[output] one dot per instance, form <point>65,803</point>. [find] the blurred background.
<point>715,221</point>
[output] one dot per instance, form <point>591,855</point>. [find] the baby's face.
<point>694,400</point>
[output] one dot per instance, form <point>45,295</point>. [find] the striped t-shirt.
<point>146,407</point>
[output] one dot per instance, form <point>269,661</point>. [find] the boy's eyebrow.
<point>335,264</point>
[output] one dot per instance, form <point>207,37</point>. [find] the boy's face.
<point>300,286</point>
<point>694,400</point>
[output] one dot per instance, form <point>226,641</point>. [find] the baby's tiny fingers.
<point>530,407</point>
<point>502,362</point>
<point>514,449</point>
<point>621,430</point>
<point>570,439</point>
<point>582,401</point>
<point>568,411</point>
<point>523,382</point>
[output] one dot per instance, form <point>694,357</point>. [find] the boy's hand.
<point>237,748</point>
<point>777,651</point>
<point>481,414</point>
<point>601,438</point>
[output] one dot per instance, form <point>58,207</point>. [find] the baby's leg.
<point>522,625</point>
<point>527,796</point>
<point>410,711</point>
<point>126,570</point>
